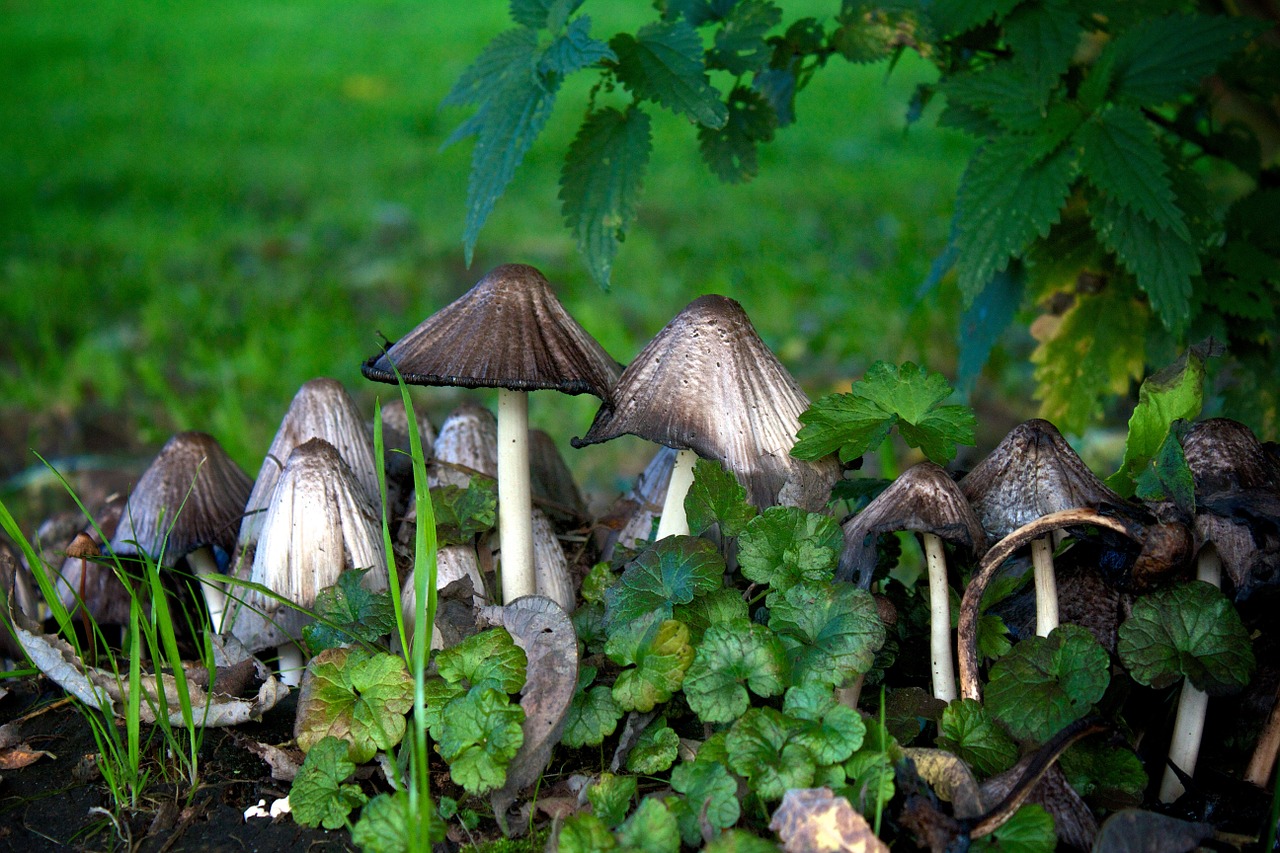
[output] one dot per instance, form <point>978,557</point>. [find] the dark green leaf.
<point>1168,477</point>
<point>1109,776</point>
<point>1030,830</point>
<point>967,730</point>
<point>1045,683</point>
<point>1044,38</point>
<point>1122,158</point>
<point>1004,93</point>
<point>671,572</point>
<point>540,14</point>
<point>592,714</point>
<point>1174,393</point>
<point>710,792</point>
<point>1160,58</point>
<point>762,746</point>
<point>348,612</point>
<point>739,44</point>
<point>662,62</point>
<point>461,514</point>
<point>830,731</point>
<point>508,59</point>
<point>730,149</point>
<point>651,829</point>
<point>730,656</point>
<point>384,825</point>
<point>716,497</point>
<point>985,321</point>
<point>951,17</point>
<point>574,50</point>
<point>714,608</point>
<point>786,545</point>
<point>318,796</point>
<point>831,631</point>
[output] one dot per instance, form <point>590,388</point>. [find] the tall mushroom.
<point>1031,473</point>
<point>708,386</point>
<point>923,500</point>
<point>511,333</point>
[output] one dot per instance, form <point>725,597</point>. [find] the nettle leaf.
<point>1189,630</point>
<point>1176,392</point>
<point>1121,157</point>
<point>592,714</point>
<point>740,47</point>
<point>1004,93</point>
<point>488,659</point>
<point>543,14</point>
<point>1110,775</point>
<point>585,833</point>
<point>1030,830</point>
<point>1044,38</point>
<point>711,793</point>
<point>663,62</point>
<point>1160,58</point>
<point>601,182</point>
<point>655,750</point>
<point>349,612</point>
<point>730,656</point>
<point>830,731</point>
<point>716,497</point>
<point>318,796</point>
<point>462,514</point>
<point>762,746</point>
<point>969,731</point>
<point>651,829</point>
<point>730,149</point>
<point>714,608</point>
<point>699,12</point>
<point>870,33</point>
<point>358,695</point>
<point>831,631</point>
<point>784,546</point>
<point>661,653</point>
<point>951,17</point>
<point>508,57</point>
<point>1010,194</point>
<point>483,735</point>
<point>610,797</point>
<point>673,571</point>
<point>574,50</point>
<point>1045,683</point>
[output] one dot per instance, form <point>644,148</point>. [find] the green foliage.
<point>968,730</point>
<point>585,833</point>
<point>764,746</point>
<point>347,611</point>
<point>384,825</point>
<point>655,750</point>
<point>830,731</point>
<point>490,658</point>
<point>732,657</point>
<point>1110,775</point>
<point>784,546</point>
<point>710,792</point>
<point>593,714</point>
<point>1030,830</point>
<point>319,795</point>
<point>482,736</point>
<point>652,828</point>
<point>831,632</point>
<point>1176,392</point>
<point>1047,682</point>
<point>716,497</point>
<point>672,572</point>
<point>462,514</point>
<point>660,650</point>
<point>359,696</point>
<point>611,796</point>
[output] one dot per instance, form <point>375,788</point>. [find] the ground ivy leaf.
<point>663,62</point>
<point>870,770</point>
<point>482,736</point>
<point>831,631</point>
<point>1030,830</point>
<point>349,612</point>
<point>461,514</point>
<point>358,695</point>
<point>384,825</point>
<point>714,608</point>
<point>786,545</point>
<point>716,497</point>
<point>1044,683</point>
<point>601,182</point>
<point>610,797</point>
<point>660,658</point>
<point>740,841</point>
<point>490,658</point>
<point>318,796</point>
<point>651,829</point>
<point>574,50</point>
<point>969,731</point>
<point>588,624</point>
<point>1176,392</point>
<point>709,791</point>
<point>585,833</point>
<point>599,578</point>
<point>830,731</point>
<point>673,571</point>
<point>730,656</point>
<point>655,750</point>
<point>730,150</point>
<point>762,746</point>
<point>1121,157</point>
<point>1189,630</point>
<point>439,693</point>
<point>593,714</point>
<point>740,47</point>
<point>1109,776</point>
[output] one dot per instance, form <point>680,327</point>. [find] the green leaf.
<point>438,694</point>
<point>711,793</point>
<point>847,423</point>
<point>655,750</point>
<point>348,611</point>
<point>1044,38</point>
<point>831,631</point>
<point>598,579</point>
<point>610,797</point>
<point>651,829</point>
<point>1030,830</point>
<point>870,770</point>
<point>967,730</point>
<point>1109,776</point>
<point>662,62</point>
<point>1160,58</point>
<point>730,656</point>
<point>601,182</point>
<point>714,608</point>
<point>384,825</point>
<point>716,497</point>
<point>574,50</point>
<point>592,714</point>
<point>588,624</point>
<point>488,659</point>
<point>509,57</point>
<point>1169,477</point>
<point>1004,93</point>
<point>318,796</point>
<point>482,736</point>
<point>740,47</point>
<point>671,572</point>
<point>661,655</point>
<point>585,833</point>
<point>1011,193</point>
<point>762,746</point>
<point>1121,157</point>
<point>461,514</point>
<point>784,546</point>
<point>830,731</point>
<point>951,17</point>
<point>1189,630</point>
<point>1176,392</point>
<point>1045,683</point>
<point>543,14</point>
<point>740,841</point>
<point>730,149</point>
<point>358,695</point>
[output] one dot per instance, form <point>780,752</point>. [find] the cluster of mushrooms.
<point>705,386</point>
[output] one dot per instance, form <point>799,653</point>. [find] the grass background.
<point>205,206</point>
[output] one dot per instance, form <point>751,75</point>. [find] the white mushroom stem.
<point>849,694</point>
<point>674,522</point>
<point>205,566</point>
<point>1046,586</point>
<point>515,503</point>
<point>1188,724</point>
<point>944,673</point>
<point>290,664</point>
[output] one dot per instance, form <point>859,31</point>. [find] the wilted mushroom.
<point>923,500</point>
<point>708,386</point>
<point>511,333</point>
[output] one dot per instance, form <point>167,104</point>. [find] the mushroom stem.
<point>849,694</point>
<point>674,522</point>
<point>1193,703</point>
<point>290,664</point>
<point>1046,586</point>
<point>1263,760</point>
<point>944,674</point>
<point>515,503</point>
<point>205,566</point>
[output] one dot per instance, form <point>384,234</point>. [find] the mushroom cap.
<point>193,493</point>
<point>1225,455</point>
<point>509,331</point>
<point>1031,473</point>
<point>708,383</point>
<point>923,500</point>
<point>105,597</point>
<point>551,481</point>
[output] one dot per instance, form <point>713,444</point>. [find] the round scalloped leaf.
<point>671,572</point>
<point>655,750</point>
<point>968,730</point>
<point>610,797</point>
<point>763,746</point>
<point>358,695</point>
<point>831,631</point>
<point>1044,683</point>
<point>786,545</point>
<point>318,796</point>
<point>652,828</point>
<point>489,658</point>
<point>830,731</point>
<point>711,793</point>
<point>483,734</point>
<point>732,655</point>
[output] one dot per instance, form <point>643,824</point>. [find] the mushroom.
<point>83,580</point>
<point>553,487</point>
<point>708,386</point>
<point>511,333</point>
<point>187,504</point>
<point>453,563</point>
<point>924,500</point>
<point>629,522</point>
<point>1031,473</point>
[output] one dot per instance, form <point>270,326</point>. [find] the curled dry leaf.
<point>950,778</point>
<point>815,820</point>
<point>22,755</point>
<point>284,763</point>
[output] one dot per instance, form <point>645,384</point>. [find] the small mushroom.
<point>508,332</point>
<point>86,580</point>
<point>629,522</point>
<point>553,487</point>
<point>708,386</point>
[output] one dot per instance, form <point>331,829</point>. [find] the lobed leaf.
<point>357,695</point>
<point>969,730</point>
<point>655,750</point>
<point>830,631</point>
<point>661,654</point>
<point>610,797</point>
<point>348,611</point>
<point>487,659</point>
<point>651,828</point>
<point>318,796</point>
<point>784,546</point>
<point>829,730</point>
<point>482,736</point>
<point>1045,683</point>
<point>762,746</point>
<point>710,794</point>
<point>461,514</point>
<point>1122,158</point>
<point>592,715</point>
<point>716,497</point>
<point>673,571</point>
<point>730,656</point>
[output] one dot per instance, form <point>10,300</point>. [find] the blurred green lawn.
<point>203,206</point>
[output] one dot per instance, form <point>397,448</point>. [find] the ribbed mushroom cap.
<point>923,500</point>
<point>467,445</point>
<point>105,598</point>
<point>1031,473</point>
<point>708,383</point>
<point>509,331</point>
<point>1224,455</point>
<point>193,493</point>
<point>552,481</point>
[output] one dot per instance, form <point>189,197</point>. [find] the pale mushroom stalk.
<point>1263,760</point>
<point>515,524</point>
<point>944,674</point>
<point>1046,586</point>
<point>289,664</point>
<point>204,565</point>
<point>674,522</point>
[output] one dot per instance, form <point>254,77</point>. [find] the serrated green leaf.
<point>711,793</point>
<point>731,657</point>
<point>1160,58</point>
<point>729,150</point>
<point>831,631</point>
<point>740,841</point>
<point>1045,683</point>
<point>508,58</point>
<point>740,47</point>
<point>490,658</point>
<point>1189,630</point>
<point>1030,830</point>
<point>762,746</point>
<point>610,797</point>
<point>870,780</point>
<point>651,829</point>
<point>439,693</point>
<point>673,571</point>
<point>592,714</point>
<point>358,695</point>
<point>661,658</point>
<point>1044,38</point>
<point>543,14</point>
<point>601,182</point>
<point>461,514</point>
<point>588,624</point>
<point>1109,776</point>
<point>714,608</point>
<point>482,736</point>
<point>1120,156</point>
<point>655,750</point>
<point>951,17</point>
<point>1003,93</point>
<point>967,730</point>
<point>585,833</point>
<point>1174,393</point>
<point>318,796</point>
<point>662,62</point>
<point>841,423</point>
<point>716,497</point>
<point>830,731</point>
<point>784,546</point>
<point>574,50</point>
<point>348,612</point>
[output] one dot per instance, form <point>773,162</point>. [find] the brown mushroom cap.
<point>708,383</point>
<point>509,331</point>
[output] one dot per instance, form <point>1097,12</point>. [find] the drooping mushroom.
<point>708,386</point>
<point>511,333</point>
<point>923,500</point>
<point>187,505</point>
<point>1031,473</point>
<point>629,522</point>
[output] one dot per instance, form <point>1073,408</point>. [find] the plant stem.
<point>515,504</point>
<point>674,522</point>
<point>1263,760</point>
<point>944,674</point>
<point>1046,586</point>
